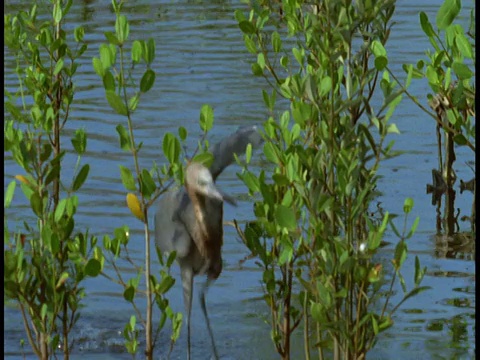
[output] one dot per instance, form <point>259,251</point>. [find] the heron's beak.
<point>214,192</point>
<point>229,199</point>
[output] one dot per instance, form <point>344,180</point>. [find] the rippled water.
<point>201,59</point>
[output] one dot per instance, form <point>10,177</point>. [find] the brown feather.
<point>208,230</point>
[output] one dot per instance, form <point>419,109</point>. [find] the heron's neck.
<point>208,228</point>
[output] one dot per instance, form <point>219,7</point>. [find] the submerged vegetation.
<point>317,230</point>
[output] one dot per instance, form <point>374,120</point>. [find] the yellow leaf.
<point>135,206</point>
<point>22,179</point>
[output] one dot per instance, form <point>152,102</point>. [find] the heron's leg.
<point>203,291</point>
<point>187,283</point>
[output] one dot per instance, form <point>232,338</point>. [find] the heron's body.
<point>190,220</point>
<point>194,229</point>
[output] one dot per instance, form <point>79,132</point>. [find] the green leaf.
<point>324,294</point>
<point>127,178</point>
<point>80,52</point>
<point>122,28</point>
<point>412,293</point>
<point>57,12</point>
<point>9,194</point>
<point>150,51</point>
<point>447,13</point>
<point>93,267</point>
<point>171,147</point>
<point>81,177</point>
<point>116,102</point>
<point>53,174</point>
<point>67,7</point>
<point>171,258</point>
<point>452,116</point>
<point>266,99</point>
<point>400,254</point>
<point>408,205</point>
<point>129,295</point>
<point>381,63</point>
<point>239,15</point>
<point>392,129</point>
<point>246,27</point>
<point>286,255</point>
<point>133,102</point>
<point>205,158</point>
<point>460,139</point>
<point>298,56</point>
<point>148,185</point>
<point>124,137</point>
<point>79,141</point>
<point>257,70</point>
<point>106,56</point>
<point>261,60</point>
<point>79,33</point>
<point>409,70</point>
<point>111,38</point>
<point>250,181</point>
<point>206,118</point>
<point>71,205</point>
<point>316,309</point>
<point>27,191</point>
<point>431,75</point>
<point>60,210</point>
<point>133,321</point>
<point>418,272</point>
<point>250,45</point>
<point>182,132</point>
<point>16,114</point>
<point>285,217</point>
<point>43,311</point>
<point>58,67</point>
<point>375,326</point>
<point>62,280</point>
<point>276,42</point>
<point>464,45</point>
<point>166,284</point>
<point>462,71</point>
<point>54,244</point>
<point>36,204</point>
<point>378,49</point>
<point>270,152</point>
<point>426,25</point>
<point>98,67</point>
<point>284,61</point>
<point>248,153</point>
<point>108,81</point>
<point>413,228</point>
<point>325,85</point>
<point>386,323</point>
<point>136,51</point>
<point>148,79</point>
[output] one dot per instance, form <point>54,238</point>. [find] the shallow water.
<point>201,59</point>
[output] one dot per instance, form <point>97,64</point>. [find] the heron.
<point>190,221</point>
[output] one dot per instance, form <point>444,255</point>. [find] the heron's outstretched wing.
<point>236,143</point>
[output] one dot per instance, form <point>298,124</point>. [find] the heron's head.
<point>199,179</point>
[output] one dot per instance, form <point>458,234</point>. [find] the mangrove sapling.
<point>144,187</point>
<point>46,263</point>
<point>313,218</point>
